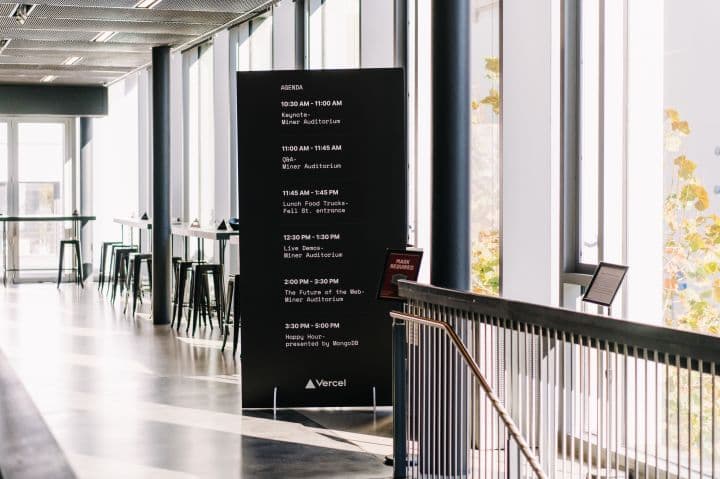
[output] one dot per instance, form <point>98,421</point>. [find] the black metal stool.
<point>78,257</point>
<point>133,286</point>
<point>232,300</point>
<point>106,245</point>
<point>120,272</point>
<point>200,292</point>
<point>182,268</point>
<point>111,269</point>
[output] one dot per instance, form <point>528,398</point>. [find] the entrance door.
<point>40,181</point>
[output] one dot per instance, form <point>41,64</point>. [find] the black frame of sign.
<point>601,265</point>
<point>390,251</point>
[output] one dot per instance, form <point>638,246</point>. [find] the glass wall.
<point>116,174</point>
<point>3,168</point>
<point>44,188</point>
<point>692,165</point>
<point>199,130</point>
<point>333,34</point>
<point>485,146</point>
<point>252,44</point>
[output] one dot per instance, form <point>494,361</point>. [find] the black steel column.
<point>450,258</point>
<point>450,266</point>
<point>86,192</point>
<point>299,34</point>
<point>161,239</point>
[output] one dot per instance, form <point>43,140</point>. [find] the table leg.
<point>236,312</point>
<point>222,252</point>
<point>201,253</point>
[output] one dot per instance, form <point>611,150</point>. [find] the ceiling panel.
<point>62,25</point>
<point>58,29</point>
<point>238,6</point>
<point>49,35</point>
<point>107,48</point>
<point>132,15</point>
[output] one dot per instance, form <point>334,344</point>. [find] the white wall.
<point>530,123</point>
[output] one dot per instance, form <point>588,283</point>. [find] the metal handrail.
<point>494,399</point>
<point>685,345</point>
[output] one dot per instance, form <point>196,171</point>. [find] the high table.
<point>213,234</point>
<point>133,223</point>
<point>78,221</point>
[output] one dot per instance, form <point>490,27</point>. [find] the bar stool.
<point>200,292</point>
<point>182,268</point>
<point>232,302</point>
<point>122,257</point>
<point>75,244</point>
<point>111,269</point>
<point>133,285</point>
<point>106,245</point>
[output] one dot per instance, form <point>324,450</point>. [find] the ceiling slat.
<point>59,29</point>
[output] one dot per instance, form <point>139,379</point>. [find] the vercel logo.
<point>326,383</point>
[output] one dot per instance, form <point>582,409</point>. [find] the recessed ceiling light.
<point>147,3</point>
<point>21,12</point>
<point>71,60</point>
<point>48,78</point>
<point>103,36</point>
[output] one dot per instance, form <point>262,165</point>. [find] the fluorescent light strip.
<point>103,36</point>
<point>4,42</point>
<point>147,3</point>
<point>71,60</point>
<point>48,78</point>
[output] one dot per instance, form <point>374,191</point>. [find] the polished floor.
<point>126,399</point>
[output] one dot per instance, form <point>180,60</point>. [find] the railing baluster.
<point>677,393</point>
<point>645,401</point>
<point>656,405</point>
<point>667,416</point>
<point>713,444</point>
<point>600,408</point>
<point>563,393</point>
<point>700,372</point>
<point>689,416</point>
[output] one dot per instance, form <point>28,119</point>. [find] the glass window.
<point>692,165</point>
<point>3,168</point>
<point>485,142</point>
<point>41,174</point>
<point>334,33</point>
<point>200,134</point>
<point>254,44</point>
<point>589,92</point>
<point>119,155</point>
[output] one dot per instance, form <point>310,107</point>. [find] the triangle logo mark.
<point>310,384</point>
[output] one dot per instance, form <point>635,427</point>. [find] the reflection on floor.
<point>128,400</point>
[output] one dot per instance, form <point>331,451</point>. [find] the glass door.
<point>36,179</point>
<point>42,161</point>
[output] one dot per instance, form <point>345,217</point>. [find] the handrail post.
<point>399,400</point>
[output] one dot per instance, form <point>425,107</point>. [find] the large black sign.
<point>322,190</point>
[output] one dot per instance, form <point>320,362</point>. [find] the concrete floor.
<point>126,399</point>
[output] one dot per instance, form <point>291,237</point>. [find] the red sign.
<point>399,265</point>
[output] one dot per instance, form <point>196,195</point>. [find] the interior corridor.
<point>128,400</point>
